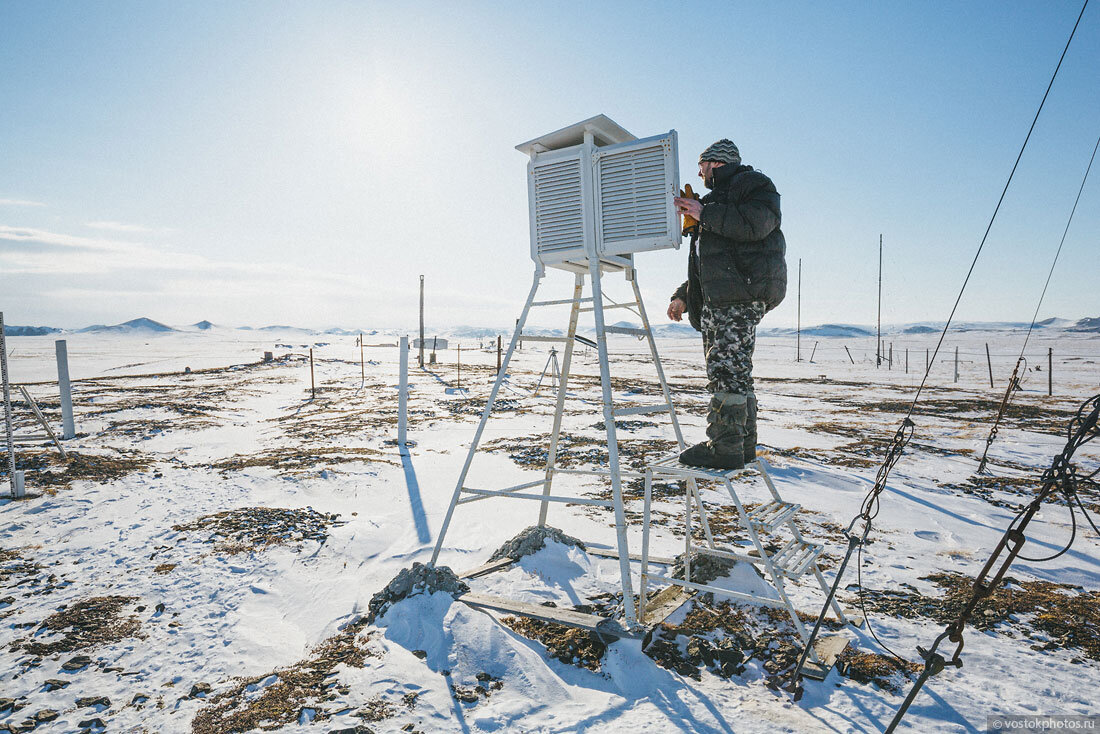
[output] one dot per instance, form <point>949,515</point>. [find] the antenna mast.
<point>878,335</point>
<point>420,359</point>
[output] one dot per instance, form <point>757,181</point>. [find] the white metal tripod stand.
<point>579,303</point>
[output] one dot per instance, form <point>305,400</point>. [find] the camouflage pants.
<point>729,338</point>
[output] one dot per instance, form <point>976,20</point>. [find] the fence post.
<point>989,362</point>
<point>891,365</point>
<point>849,354</point>
<point>956,364</point>
<point>312,382</point>
<point>362,361</point>
<point>403,394</point>
<point>907,360</point>
<point>812,353</point>
<point>927,366</point>
<point>498,354</point>
<point>68,424</point>
<point>1050,371</point>
<point>459,366</point>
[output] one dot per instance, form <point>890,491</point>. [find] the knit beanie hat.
<point>724,151</point>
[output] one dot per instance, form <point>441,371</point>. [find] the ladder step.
<point>613,305</point>
<point>671,466</point>
<point>561,301</point>
<point>537,497</point>
<point>641,409</point>
<point>796,558</point>
<point>625,330</point>
<point>770,516</point>
<point>526,338</point>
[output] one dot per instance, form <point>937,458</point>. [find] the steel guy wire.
<point>1012,383</point>
<point>871,503</point>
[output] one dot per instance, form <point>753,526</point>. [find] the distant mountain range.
<point>147,326</point>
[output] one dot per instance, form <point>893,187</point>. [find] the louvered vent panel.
<point>633,194</point>
<point>559,219</point>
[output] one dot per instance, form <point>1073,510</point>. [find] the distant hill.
<point>675,330</point>
<point>822,330</point>
<point>919,329</point>
<point>203,325</point>
<point>286,328</point>
<point>1087,324</point>
<point>134,325</point>
<point>476,332</point>
<point>12,330</point>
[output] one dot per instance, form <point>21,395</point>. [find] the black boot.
<point>726,431</point>
<point>750,430</point>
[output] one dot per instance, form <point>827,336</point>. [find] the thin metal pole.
<point>891,357</point>
<point>312,382</point>
<point>989,361</point>
<point>459,366</point>
<point>813,352</point>
<point>559,405</point>
<point>907,360</point>
<point>42,420</point>
<point>484,419</point>
<point>68,424</point>
<point>7,408</point>
<point>798,327</point>
<point>878,341</point>
<point>927,365</point>
<point>1050,371</point>
<point>498,353</point>
<point>849,354</point>
<point>612,442</point>
<point>403,394</point>
<point>420,359</point>
<point>362,360</point>
<point>956,364</point>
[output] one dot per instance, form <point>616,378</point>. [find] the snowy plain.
<point>248,613</point>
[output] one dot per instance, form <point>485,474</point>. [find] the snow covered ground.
<point>188,629</point>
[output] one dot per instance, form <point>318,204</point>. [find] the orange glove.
<point>690,222</point>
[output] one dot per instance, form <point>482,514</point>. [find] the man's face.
<point>706,172</point>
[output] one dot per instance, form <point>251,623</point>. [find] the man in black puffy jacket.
<point>737,272</point>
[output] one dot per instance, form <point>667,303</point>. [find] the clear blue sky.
<point>259,162</point>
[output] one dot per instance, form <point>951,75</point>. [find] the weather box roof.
<point>605,131</point>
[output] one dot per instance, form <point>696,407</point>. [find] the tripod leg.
<point>612,442</point>
<point>555,433</point>
<point>484,419</point>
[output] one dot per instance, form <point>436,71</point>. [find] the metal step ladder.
<point>794,559</point>
<point>541,489</point>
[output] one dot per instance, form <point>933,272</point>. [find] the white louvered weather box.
<point>595,190</point>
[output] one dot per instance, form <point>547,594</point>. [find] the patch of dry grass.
<point>85,625</point>
<point>1058,616</point>
<point>297,461</point>
<point>257,703</point>
<point>568,644</point>
<point>257,528</point>
<point>51,472</point>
